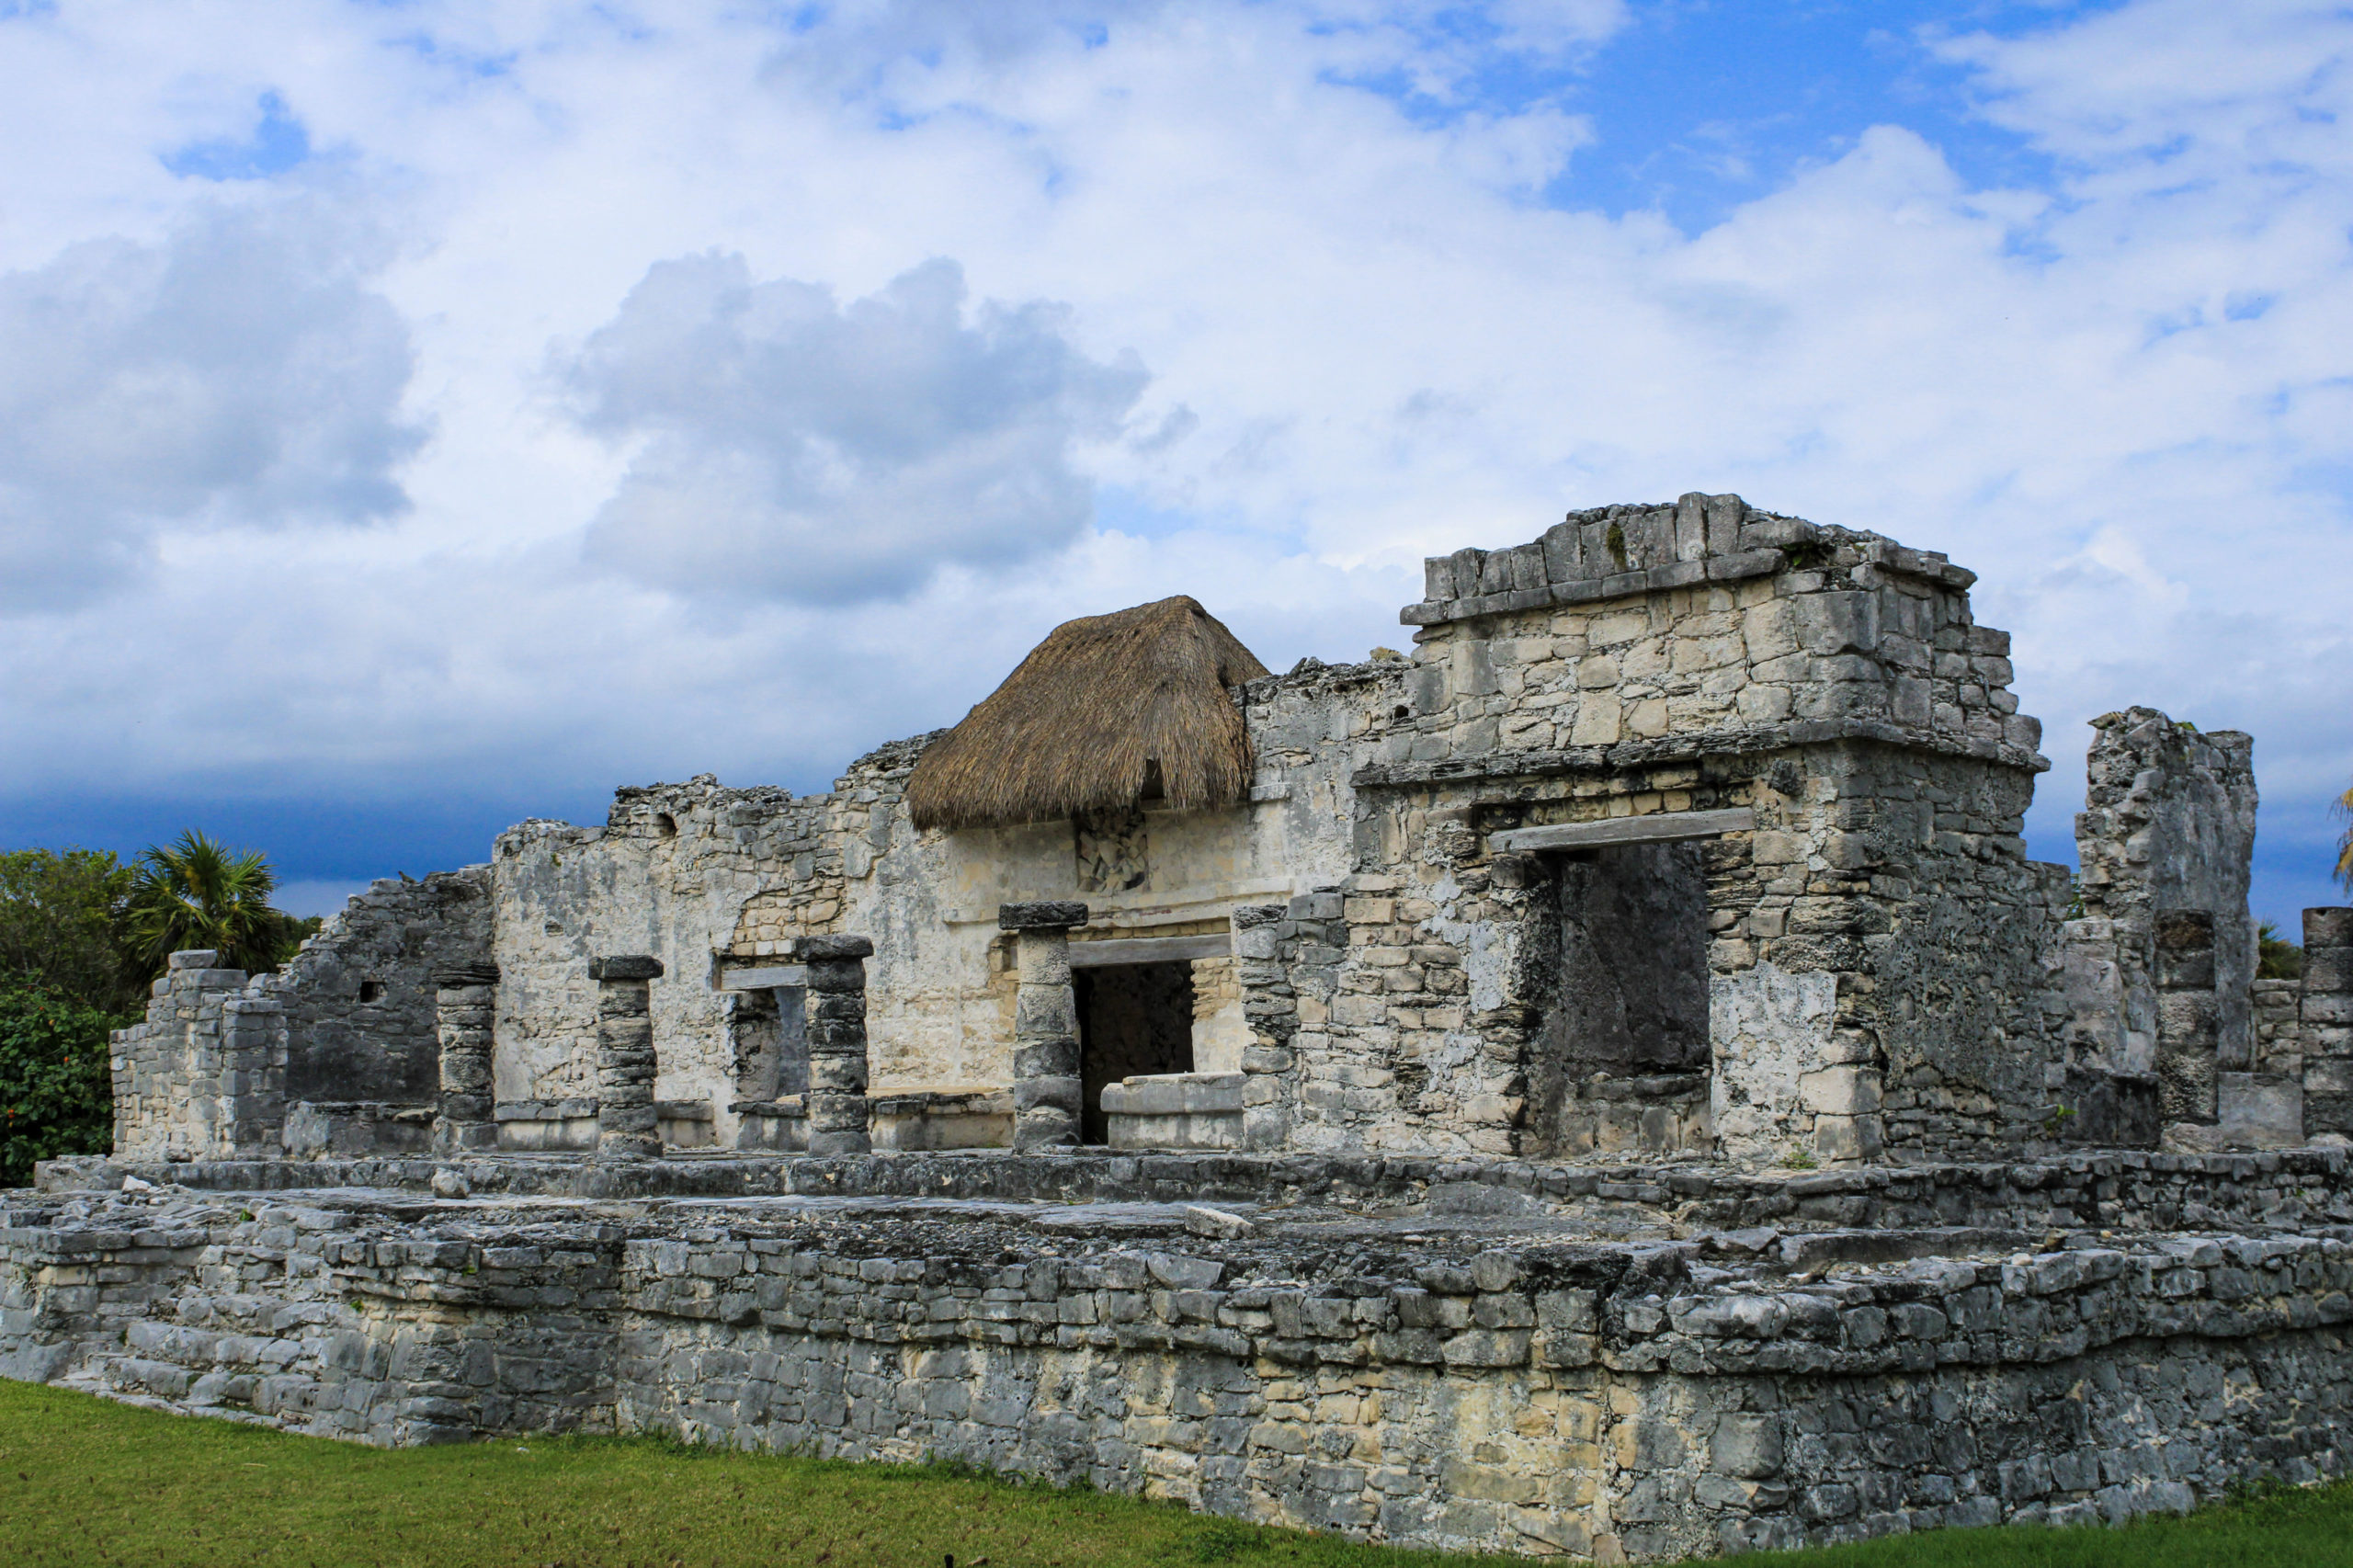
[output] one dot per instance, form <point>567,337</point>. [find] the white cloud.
<point>2122,391</point>
<point>240,372</point>
<point>796,450</point>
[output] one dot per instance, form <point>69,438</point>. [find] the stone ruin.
<point>1609,1084</point>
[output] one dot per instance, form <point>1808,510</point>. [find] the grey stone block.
<point>624,967</point>
<point>1040,916</point>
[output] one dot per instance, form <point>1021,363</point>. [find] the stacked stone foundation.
<point>1856,1354</point>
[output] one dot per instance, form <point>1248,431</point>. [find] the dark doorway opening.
<point>1628,1019</point>
<point>1133,1019</point>
<point>770,1035</point>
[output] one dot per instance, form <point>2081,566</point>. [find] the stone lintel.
<point>1149,949</point>
<point>767,977</point>
<point>1048,916</point>
<point>1659,827</point>
<point>626,966</point>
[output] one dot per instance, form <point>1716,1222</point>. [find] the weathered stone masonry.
<point>1650,1398</point>
<point>1524,986</point>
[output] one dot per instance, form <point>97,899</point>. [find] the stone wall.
<point>203,1075</point>
<point>705,877</point>
<point>2325,1023</point>
<point>358,997</point>
<point>1613,1400</point>
<point>1807,1211</point>
<point>1862,960</point>
<point>694,875</point>
<point>1887,968</point>
<point>2167,836</point>
<point>1724,620</point>
<point>337,1053</point>
<point>1876,948</point>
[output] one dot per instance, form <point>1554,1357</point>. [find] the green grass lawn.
<point>85,1480</point>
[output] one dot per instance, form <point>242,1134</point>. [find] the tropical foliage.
<point>2275,957</point>
<point>197,892</point>
<point>56,1095</point>
<point>61,913</point>
<point>82,936</point>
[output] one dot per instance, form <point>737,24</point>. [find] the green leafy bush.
<point>56,1096</point>
<point>60,915</point>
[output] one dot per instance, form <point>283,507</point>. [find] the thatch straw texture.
<point>1102,705</point>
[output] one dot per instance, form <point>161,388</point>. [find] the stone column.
<point>1047,1096</point>
<point>2325,1010</point>
<point>2184,965</point>
<point>464,1003</point>
<point>1265,943</point>
<point>836,1027</point>
<point>253,1075</point>
<point>626,1128</point>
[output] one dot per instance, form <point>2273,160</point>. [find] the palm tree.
<point>201,893</point>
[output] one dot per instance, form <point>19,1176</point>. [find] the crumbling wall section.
<point>202,1076</point>
<point>1598,1400</point>
<point>671,874</point>
<point>358,996</point>
<point>2325,1023</point>
<point>2161,958</point>
<point>1876,954</point>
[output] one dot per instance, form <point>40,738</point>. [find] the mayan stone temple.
<point>1608,1084</point>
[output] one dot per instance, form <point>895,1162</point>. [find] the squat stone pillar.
<point>464,1001</point>
<point>2187,1033</point>
<point>626,1128</point>
<point>1048,1099</point>
<point>836,1027</point>
<point>2325,1007</point>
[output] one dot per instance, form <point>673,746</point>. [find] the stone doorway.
<point>1622,1058</point>
<point>1133,1019</point>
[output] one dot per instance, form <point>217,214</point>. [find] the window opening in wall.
<point>666,825</point>
<point>769,1038</point>
<point>1622,1059</point>
<point>372,990</point>
<point>1133,1019</point>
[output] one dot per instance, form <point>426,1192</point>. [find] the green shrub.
<point>56,1096</point>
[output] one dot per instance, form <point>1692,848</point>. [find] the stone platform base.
<point>1406,1354</point>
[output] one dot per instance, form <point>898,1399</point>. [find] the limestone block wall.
<point>1676,626</point>
<point>1615,1402</point>
<point>1943,948</point>
<point>203,1075</point>
<point>1876,957</point>
<point>671,874</point>
<point>1804,1217</point>
<point>2167,830</point>
<point>1880,968</point>
<point>703,877</point>
<point>327,1053</point>
<point>2325,1022</point>
<point>358,997</point>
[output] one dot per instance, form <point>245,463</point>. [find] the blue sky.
<point>416,417</point>
<point>1698,107</point>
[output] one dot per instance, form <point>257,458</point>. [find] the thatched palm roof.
<point>1101,705</point>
